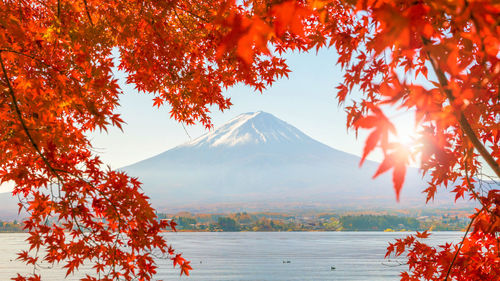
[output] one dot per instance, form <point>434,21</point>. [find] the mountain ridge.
<point>259,162</point>
<point>243,129</point>
<point>256,157</point>
<point>250,128</point>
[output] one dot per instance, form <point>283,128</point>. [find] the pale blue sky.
<point>307,100</point>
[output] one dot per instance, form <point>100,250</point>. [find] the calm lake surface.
<point>249,256</point>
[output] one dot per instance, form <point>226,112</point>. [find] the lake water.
<point>249,256</point>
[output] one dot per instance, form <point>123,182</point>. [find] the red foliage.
<point>57,85</point>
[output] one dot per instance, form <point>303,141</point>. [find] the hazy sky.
<point>307,100</point>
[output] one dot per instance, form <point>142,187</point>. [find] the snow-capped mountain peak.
<point>256,158</point>
<point>250,128</point>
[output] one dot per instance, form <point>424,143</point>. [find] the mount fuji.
<point>257,159</point>
<point>258,162</point>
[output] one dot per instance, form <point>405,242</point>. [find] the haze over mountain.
<point>257,158</point>
<point>259,162</point>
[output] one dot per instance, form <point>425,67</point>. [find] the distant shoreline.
<point>402,231</point>
<point>202,231</point>
<point>305,222</point>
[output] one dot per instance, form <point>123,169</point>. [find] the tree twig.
<point>88,13</point>
<point>461,244</point>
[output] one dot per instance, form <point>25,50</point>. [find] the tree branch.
<point>26,55</point>
<point>88,13</point>
<point>23,123</point>
<point>471,189</point>
<point>191,13</point>
<point>464,124</point>
<point>461,244</point>
<point>45,160</point>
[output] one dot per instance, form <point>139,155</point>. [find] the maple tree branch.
<point>461,244</point>
<point>184,127</point>
<point>35,264</point>
<point>464,124</point>
<point>120,220</point>
<point>192,14</point>
<point>76,81</point>
<point>26,55</point>
<point>471,189</point>
<point>182,22</point>
<point>23,123</point>
<point>36,147</point>
<point>88,13</point>
<point>56,171</point>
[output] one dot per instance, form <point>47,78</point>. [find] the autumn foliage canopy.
<point>437,59</point>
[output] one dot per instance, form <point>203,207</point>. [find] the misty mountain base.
<point>257,160</point>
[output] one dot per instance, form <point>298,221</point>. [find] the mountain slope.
<point>258,158</point>
<point>251,129</point>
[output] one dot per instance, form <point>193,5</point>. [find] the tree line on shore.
<point>268,221</point>
<point>11,226</point>
<point>243,221</point>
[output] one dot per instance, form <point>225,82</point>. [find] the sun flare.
<point>407,133</point>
